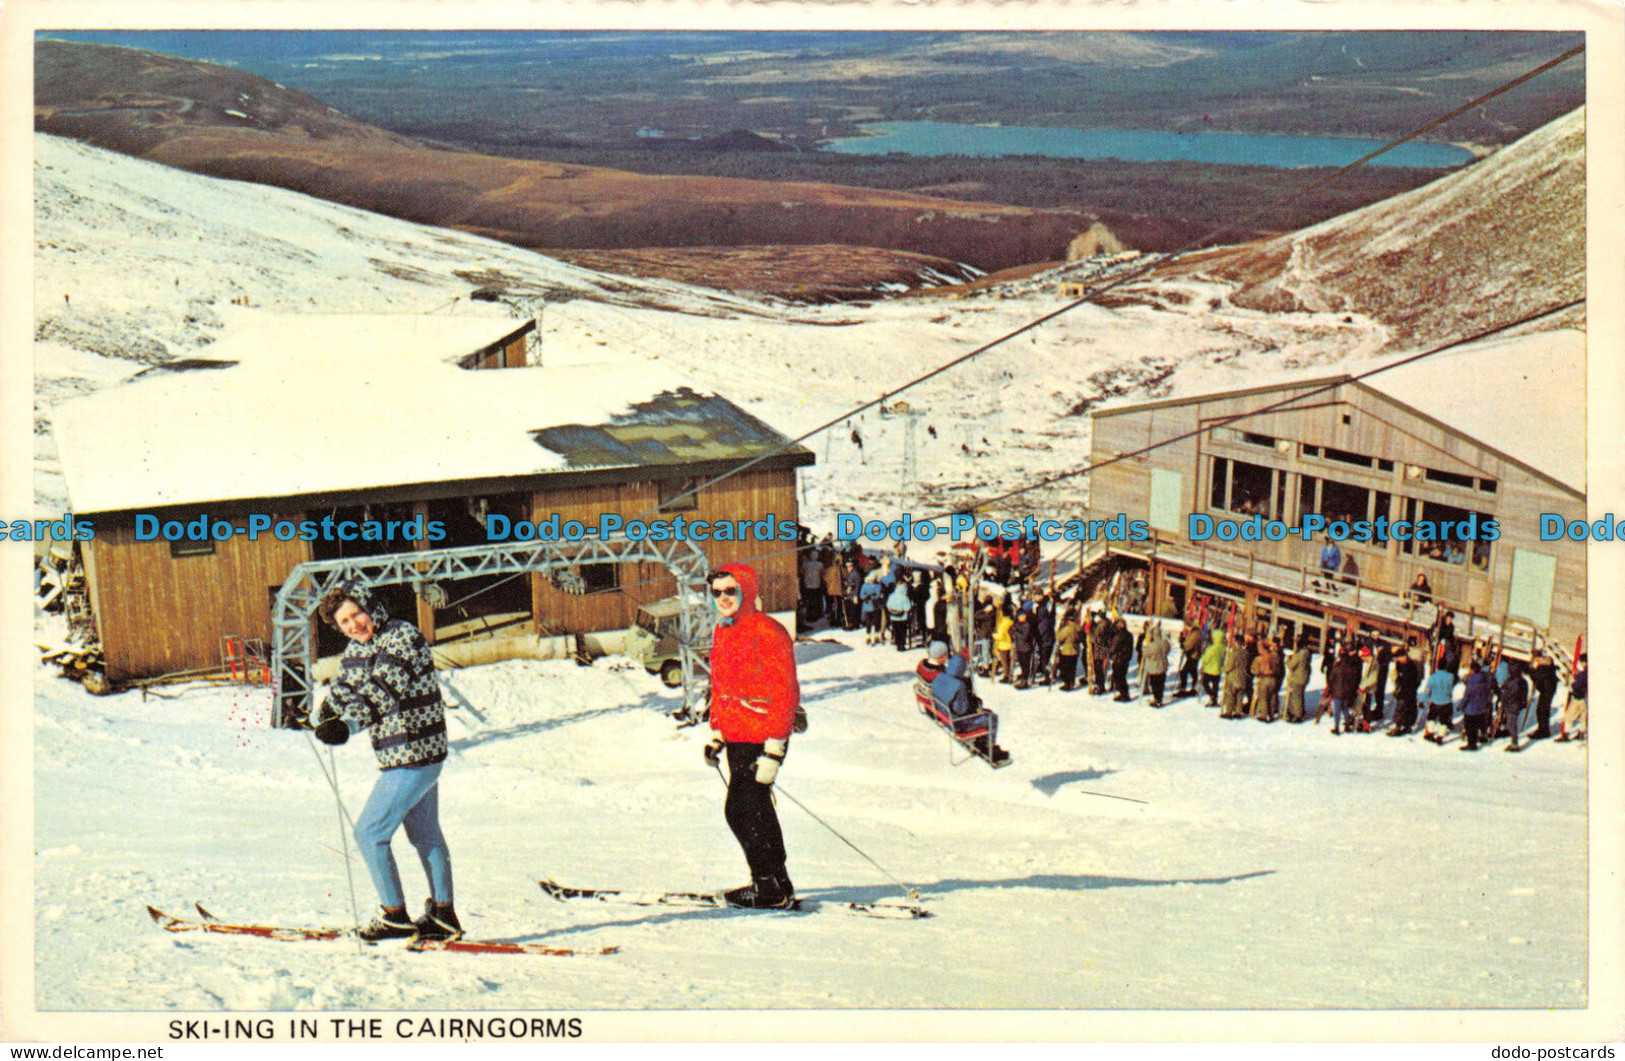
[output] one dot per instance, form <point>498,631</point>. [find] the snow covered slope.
<point>1503,238</point>
<point>1127,858</point>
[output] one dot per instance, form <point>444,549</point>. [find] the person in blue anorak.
<point>952,689</point>
<point>1477,703</point>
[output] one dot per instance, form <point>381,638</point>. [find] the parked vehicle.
<point>652,640</point>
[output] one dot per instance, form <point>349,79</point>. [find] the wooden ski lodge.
<point>394,418</point>
<point>1490,432</point>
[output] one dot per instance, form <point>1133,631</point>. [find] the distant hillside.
<point>807,273</point>
<point>134,101</point>
<point>224,123</point>
<point>500,90</point>
<point>1468,251</point>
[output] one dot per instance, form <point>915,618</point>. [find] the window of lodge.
<point>1466,482</point>
<point>1341,501</point>
<point>1343,456</point>
<point>1246,489</point>
<point>1251,438</point>
<point>1449,548</point>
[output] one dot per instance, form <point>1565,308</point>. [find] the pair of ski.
<point>899,911</point>
<point>207,922</point>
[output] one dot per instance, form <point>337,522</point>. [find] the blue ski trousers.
<point>408,795</point>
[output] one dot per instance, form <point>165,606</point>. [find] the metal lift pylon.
<point>293,643</point>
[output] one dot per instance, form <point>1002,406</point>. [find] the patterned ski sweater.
<point>387,684</point>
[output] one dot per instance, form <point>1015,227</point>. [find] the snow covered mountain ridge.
<point>1497,241</point>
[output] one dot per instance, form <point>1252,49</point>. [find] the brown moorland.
<point>221,122</point>
<point>806,273</point>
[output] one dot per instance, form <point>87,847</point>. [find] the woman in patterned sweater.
<point>386,683</point>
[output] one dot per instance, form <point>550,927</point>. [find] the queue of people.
<point>1027,635</point>
<point>893,600</point>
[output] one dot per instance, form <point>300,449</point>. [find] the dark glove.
<point>330,729</point>
<point>767,764</point>
<point>713,750</point>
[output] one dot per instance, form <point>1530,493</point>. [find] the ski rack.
<point>293,644</point>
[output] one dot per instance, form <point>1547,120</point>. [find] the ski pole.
<point>909,891</point>
<point>344,834</point>
<point>1108,795</point>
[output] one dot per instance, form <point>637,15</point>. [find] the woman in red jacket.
<point>754,697</point>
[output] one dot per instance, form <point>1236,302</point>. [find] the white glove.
<point>767,764</point>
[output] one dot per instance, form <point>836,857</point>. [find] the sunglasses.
<point>724,591</point>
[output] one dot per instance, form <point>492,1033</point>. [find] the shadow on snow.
<point>1061,882</point>
<point>1050,784</point>
<point>649,701</point>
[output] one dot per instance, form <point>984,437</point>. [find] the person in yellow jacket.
<point>1066,649</point>
<point>1003,645</point>
<point>1213,667</point>
<point>835,591</point>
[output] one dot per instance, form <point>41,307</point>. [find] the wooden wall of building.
<point>1356,420</point>
<point>158,613</point>
<point>510,355</point>
<point>750,496</point>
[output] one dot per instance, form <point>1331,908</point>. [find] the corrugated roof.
<point>1522,396</point>
<point>319,404</point>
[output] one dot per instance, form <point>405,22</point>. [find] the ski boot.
<point>387,924</point>
<point>770,892</point>
<point>439,922</point>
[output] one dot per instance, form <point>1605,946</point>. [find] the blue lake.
<point>1245,149</point>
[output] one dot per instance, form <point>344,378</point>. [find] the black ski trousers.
<point>750,813</point>
<point>1187,673</point>
<point>1120,677</point>
<point>1543,712</point>
<point>1404,709</point>
<point>1066,670</point>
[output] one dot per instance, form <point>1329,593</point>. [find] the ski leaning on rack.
<point>713,901</point>
<point>207,922</point>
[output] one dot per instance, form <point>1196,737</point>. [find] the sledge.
<point>970,732</point>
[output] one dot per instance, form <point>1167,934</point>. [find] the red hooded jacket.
<point>754,692</point>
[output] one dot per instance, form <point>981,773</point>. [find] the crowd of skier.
<point>1015,629</point>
